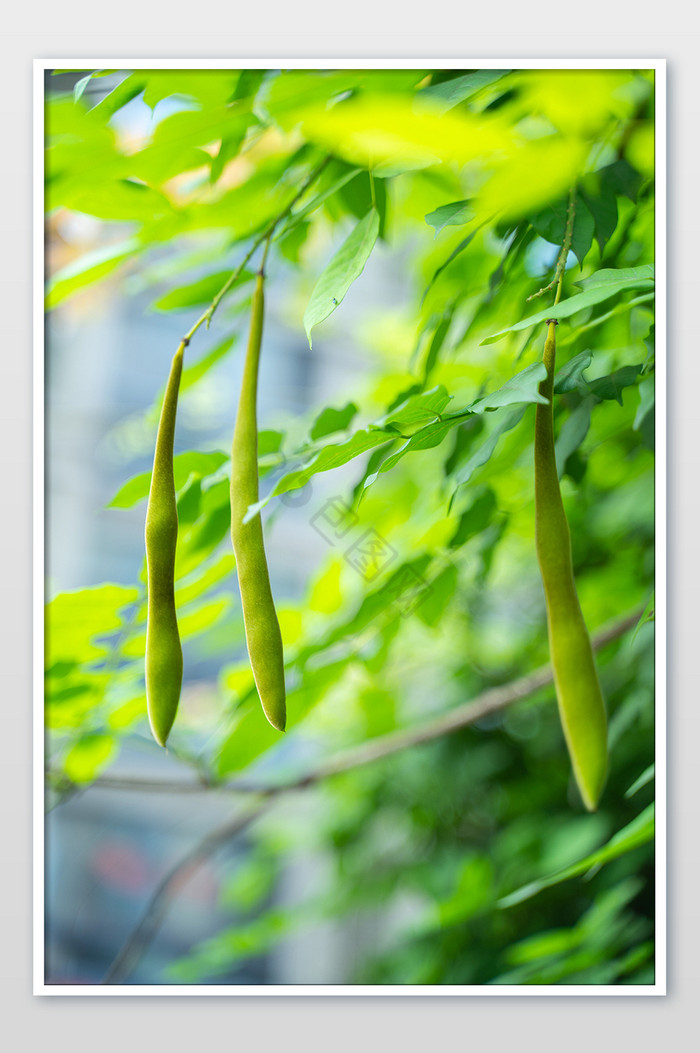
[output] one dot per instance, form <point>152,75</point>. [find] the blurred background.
<point>394,873</point>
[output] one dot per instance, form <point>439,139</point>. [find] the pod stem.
<point>558,278</point>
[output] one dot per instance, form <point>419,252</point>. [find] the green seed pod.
<point>581,705</point>
<point>262,629</point>
<point>163,649</point>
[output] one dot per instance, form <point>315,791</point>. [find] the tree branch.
<point>488,702</point>
<point>462,716</point>
<point>178,875</point>
<point>267,233</point>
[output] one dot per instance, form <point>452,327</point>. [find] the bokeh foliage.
<point>462,177</point>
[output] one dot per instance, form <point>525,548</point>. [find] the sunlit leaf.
<point>347,265</point>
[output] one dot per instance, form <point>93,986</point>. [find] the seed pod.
<point>262,630</point>
<point>163,649</point>
<point>580,701</point>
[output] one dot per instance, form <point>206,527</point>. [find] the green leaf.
<point>184,465</point>
<point>213,87</point>
<point>425,439</point>
<point>437,341</point>
<point>602,286</point>
<point>269,441</point>
<point>362,193</point>
<point>573,431</point>
<point>612,386</point>
<point>550,224</point>
<point>417,409</point>
<point>602,204</point>
<point>638,832</point>
<point>332,420</point>
<point>347,265</point>
<point>198,293</point>
<point>194,373</point>
<point>300,215</point>
<point>87,270</point>
<point>203,578</point>
<point>622,178</point>
<point>252,735</point>
<point>74,619</point>
<point>452,92</point>
<point>645,778</point>
<point>474,519</point>
<point>230,148</point>
<point>190,624</point>
<point>189,501</point>
<point>648,615</point>
<point>88,757</point>
<point>614,276</point>
<point>324,460</point>
<point>80,86</point>
<point>570,376</point>
<point>485,450</point>
<point>122,200</point>
<point>437,595</point>
<point>464,243</point>
<point>523,387</point>
<point>647,395</point>
<point>119,96</point>
<point>455,214</point>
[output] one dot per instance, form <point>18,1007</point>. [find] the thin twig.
<point>178,875</point>
<point>564,253</point>
<point>207,316</point>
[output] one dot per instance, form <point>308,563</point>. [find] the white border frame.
<point>295,990</point>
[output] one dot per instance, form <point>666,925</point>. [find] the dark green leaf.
<point>550,224</point>
<point>475,519</point>
<point>570,376</point>
<point>647,390</point>
<point>639,832</point>
<point>506,421</point>
<point>357,195</point>
<point>573,432</point>
<point>622,178</point>
<point>602,204</point>
<point>648,615</point>
<point>643,780</point>
<point>450,93</point>
<point>612,386</point>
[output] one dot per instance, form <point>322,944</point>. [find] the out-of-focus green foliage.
<point>466,860</point>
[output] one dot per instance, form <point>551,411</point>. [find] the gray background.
<point>308,30</point>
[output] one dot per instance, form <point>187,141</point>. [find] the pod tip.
<point>277,719</point>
